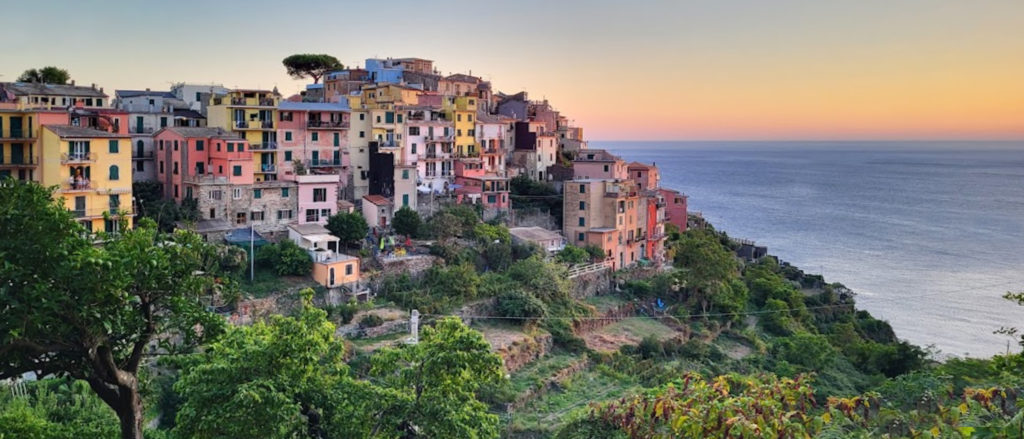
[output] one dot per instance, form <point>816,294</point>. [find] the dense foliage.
<point>407,222</point>
<point>286,258</point>
<point>311,65</point>
<point>350,228</point>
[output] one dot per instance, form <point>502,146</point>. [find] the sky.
<point>623,70</point>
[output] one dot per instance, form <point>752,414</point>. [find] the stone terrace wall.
<point>591,284</point>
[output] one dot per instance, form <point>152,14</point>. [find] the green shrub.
<point>520,304</point>
<point>370,321</point>
<point>572,255</point>
<point>285,258</point>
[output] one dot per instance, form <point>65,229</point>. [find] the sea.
<point>929,235</point>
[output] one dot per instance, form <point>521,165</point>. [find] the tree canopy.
<point>407,222</point>
<point>350,228</point>
<point>46,75</point>
<point>68,308</point>
<point>311,65</point>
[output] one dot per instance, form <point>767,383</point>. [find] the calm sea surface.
<point>928,234</point>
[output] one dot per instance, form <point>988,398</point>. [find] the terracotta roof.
<point>638,165</point>
<point>377,199</point>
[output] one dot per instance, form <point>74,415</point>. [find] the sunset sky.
<point>674,70</point>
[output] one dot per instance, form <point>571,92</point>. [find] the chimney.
<point>147,88</point>
<point>94,86</point>
<point>72,82</point>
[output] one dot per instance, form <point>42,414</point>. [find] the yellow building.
<point>462,110</point>
<point>18,151</point>
<point>93,172</point>
<point>252,115</point>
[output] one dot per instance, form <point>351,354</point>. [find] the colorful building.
<point>427,144</point>
<point>645,176</point>
<point>605,213</point>
<point>316,136</point>
<point>598,163</point>
<point>252,115</point>
<point>93,170</point>
<point>675,208</point>
<point>148,112</point>
<point>462,111</point>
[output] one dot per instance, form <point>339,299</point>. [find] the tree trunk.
<point>130,413</point>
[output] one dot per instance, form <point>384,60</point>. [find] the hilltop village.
<point>253,165</point>
<point>394,253</point>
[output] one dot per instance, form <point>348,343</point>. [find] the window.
<point>231,147</point>
<point>257,193</point>
<point>175,168</point>
<point>389,117</point>
<point>582,221</point>
<point>113,146</point>
<point>175,145</point>
<point>458,117</point>
<point>188,192</point>
<point>218,146</point>
<point>284,192</point>
<point>236,193</point>
<point>414,148</point>
<point>200,145</point>
<point>236,170</point>
<point>605,168</point>
<point>405,174</point>
<point>240,218</point>
<point>405,199</point>
<point>362,116</point>
<point>215,195</point>
<point>399,118</point>
<point>583,205</point>
<point>316,137</point>
<point>583,188</point>
<point>458,132</point>
<point>287,156</point>
<point>175,191</point>
<point>491,199</point>
<point>140,166</point>
<point>161,143</point>
<point>213,213</point>
<point>378,118</point>
<point>325,213</point>
<point>312,215</point>
<point>348,269</point>
<point>288,136</point>
<point>319,194</point>
<point>470,116</point>
<point>241,147</point>
<point>284,214</point>
<point>579,237</point>
<point>114,174</point>
<point>362,134</point>
<point>414,131</point>
<point>256,216</point>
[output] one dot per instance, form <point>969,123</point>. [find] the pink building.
<point>598,164</point>
<point>675,208</point>
<point>645,176</point>
<point>475,186</point>
<point>316,135</point>
<point>184,153</point>
<point>318,197</point>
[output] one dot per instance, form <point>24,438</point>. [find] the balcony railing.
<point>84,186</point>
<point>19,161</point>
<point>241,124</point>
<point>266,168</point>
<point>100,212</point>
<point>323,163</point>
<point>262,102</point>
<point>141,130</point>
<point>267,124</point>
<point>326,124</point>
<point>146,155</point>
<point>77,157</point>
<point>265,146</point>
<point>15,133</point>
<point>440,138</point>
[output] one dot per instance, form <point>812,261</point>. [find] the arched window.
<point>114,174</point>
<point>138,149</point>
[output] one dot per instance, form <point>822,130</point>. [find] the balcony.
<point>15,134</point>
<point>112,211</point>
<point>440,138</point>
<point>265,146</point>
<point>146,155</point>
<point>141,130</point>
<point>253,102</point>
<point>326,124</point>
<point>324,163</point>
<point>266,168</point>
<point>241,124</point>
<point>19,162</point>
<point>77,157</point>
<point>85,186</point>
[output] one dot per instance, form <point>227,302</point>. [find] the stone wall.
<point>227,206</point>
<point>558,379</point>
<point>592,284</point>
<point>525,351</point>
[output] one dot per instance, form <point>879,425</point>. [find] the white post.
<point>414,326</point>
<point>252,253</point>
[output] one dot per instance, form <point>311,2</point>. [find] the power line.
<point>727,314</point>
